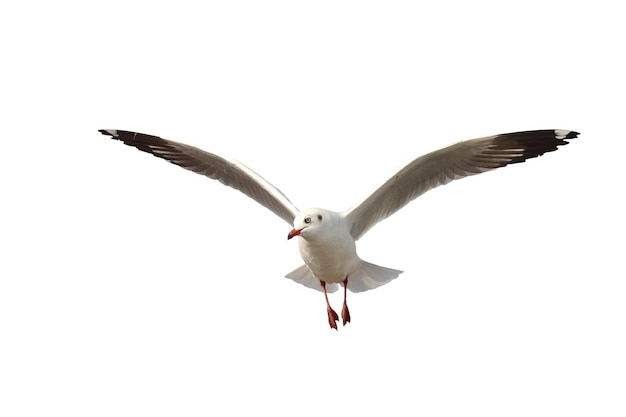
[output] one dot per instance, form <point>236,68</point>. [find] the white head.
<point>310,222</point>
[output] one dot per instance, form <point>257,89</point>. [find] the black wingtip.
<point>109,132</point>
<point>565,134</point>
<point>532,143</point>
<point>128,137</point>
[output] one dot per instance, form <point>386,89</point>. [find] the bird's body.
<point>327,239</point>
<point>330,254</point>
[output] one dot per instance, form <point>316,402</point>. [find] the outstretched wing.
<point>454,162</point>
<point>227,171</point>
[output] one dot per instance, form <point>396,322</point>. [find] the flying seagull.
<point>327,238</point>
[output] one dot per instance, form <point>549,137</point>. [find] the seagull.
<point>327,238</point>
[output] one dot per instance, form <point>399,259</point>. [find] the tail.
<point>367,277</point>
<point>370,276</point>
<point>302,275</point>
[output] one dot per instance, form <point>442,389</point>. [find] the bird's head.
<point>308,223</point>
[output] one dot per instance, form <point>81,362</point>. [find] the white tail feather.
<point>367,277</point>
<point>370,276</point>
<point>302,275</point>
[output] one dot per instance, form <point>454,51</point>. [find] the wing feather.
<point>227,171</point>
<point>454,162</point>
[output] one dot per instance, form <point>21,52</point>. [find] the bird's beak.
<point>293,233</point>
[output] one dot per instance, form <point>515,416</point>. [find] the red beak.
<point>293,233</point>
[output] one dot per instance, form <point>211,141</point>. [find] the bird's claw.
<point>345,314</point>
<point>332,318</point>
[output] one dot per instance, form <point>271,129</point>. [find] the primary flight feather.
<point>326,238</point>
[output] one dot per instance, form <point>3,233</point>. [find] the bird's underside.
<point>320,230</point>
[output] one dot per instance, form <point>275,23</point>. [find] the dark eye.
<point>307,220</point>
<point>319,217</point>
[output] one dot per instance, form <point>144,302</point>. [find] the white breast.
<point>331,256</point>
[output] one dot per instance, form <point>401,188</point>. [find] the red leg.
<point>345,313</point>
<point>332,315</point>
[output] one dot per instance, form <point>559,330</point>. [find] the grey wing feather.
<point>454,162</point>
<point>227,171</point>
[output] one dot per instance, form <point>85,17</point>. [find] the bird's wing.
<point>454,162</point>
<point>227,171</point>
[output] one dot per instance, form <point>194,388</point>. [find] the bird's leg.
<point>332,315</point>
<point>345,313</point>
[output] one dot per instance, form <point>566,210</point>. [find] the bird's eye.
<point>307,220</point>
<point>319,217</point>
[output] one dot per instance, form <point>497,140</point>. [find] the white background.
<point>132,287</point>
